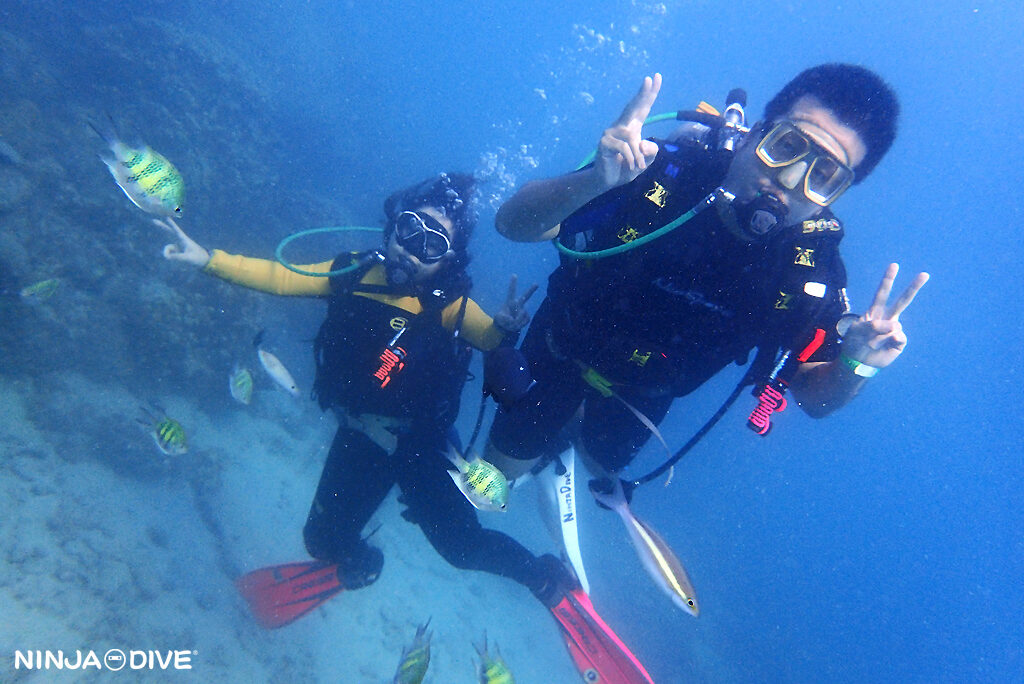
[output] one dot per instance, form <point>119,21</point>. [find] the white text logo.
<point>115,659</point>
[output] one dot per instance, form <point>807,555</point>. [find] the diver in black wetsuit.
<point>649,323</point>
<point>392,358</point>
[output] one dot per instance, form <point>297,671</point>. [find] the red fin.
<point>599,654</point>
<point>281,594</point>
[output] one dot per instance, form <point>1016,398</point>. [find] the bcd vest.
<point>372,357</point>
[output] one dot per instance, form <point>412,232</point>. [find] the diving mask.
<point>422,236</point>
<point>797,158</point>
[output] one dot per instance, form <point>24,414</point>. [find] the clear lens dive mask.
<point>797,158</point>
<point>422,236</point>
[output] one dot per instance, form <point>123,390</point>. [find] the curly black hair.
<point>857,96</point>
<point>453,194</point>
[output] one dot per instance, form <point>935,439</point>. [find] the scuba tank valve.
<point>735,119</point>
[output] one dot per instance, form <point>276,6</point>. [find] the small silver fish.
<point>657,558</point>
<point>275,369</point>
<point>480,482</point>
<point>240,383</point>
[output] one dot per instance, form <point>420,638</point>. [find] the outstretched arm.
<point>535,212</point>
<point>259,274</point>
<point>873,341</point>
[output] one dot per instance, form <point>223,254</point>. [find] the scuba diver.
<point>656,292</point>
<point>392,357</point>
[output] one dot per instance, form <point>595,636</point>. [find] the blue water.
<point>885,543</point>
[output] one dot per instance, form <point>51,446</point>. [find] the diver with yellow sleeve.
<point>392,358</point>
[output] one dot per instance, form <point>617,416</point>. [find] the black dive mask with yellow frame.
<point>794,161</point>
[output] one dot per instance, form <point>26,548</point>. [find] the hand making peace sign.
<point>622,153</point>
<point>877,338</point>
<point>513,316</point>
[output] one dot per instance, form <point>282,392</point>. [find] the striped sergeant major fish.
<point>493,669</point>
<point>148,178</point>
<point>415,659</point>
<point>480,482</point>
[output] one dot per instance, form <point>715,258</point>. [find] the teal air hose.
<point>639,242</point>
<point>279,252</point>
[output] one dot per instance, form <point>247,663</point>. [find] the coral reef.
<point>124,314</point>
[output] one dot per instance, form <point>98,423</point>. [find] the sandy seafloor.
<point>101,554</point>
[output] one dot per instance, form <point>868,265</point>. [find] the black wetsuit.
<point>660,320</point>
<point>358,374</point>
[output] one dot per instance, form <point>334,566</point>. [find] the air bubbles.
<point>592,63</point>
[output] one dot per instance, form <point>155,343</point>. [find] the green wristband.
<point>861,369</point>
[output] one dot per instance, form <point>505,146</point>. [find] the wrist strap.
<point>861,369</point>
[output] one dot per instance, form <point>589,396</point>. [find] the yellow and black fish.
<point>415,659</point>
<point>167,433</point>
<point>44,289</point>
<point>169,436</point>
<point>240,383</point>
<point>482,483</point>
<point>493,669</point>
<point>149,180</point>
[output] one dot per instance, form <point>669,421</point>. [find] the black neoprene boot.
<point>360,566</point>
<point>554,580</point>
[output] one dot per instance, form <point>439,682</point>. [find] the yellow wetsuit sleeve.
<point>269,276</point>
<point>477,327</point>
